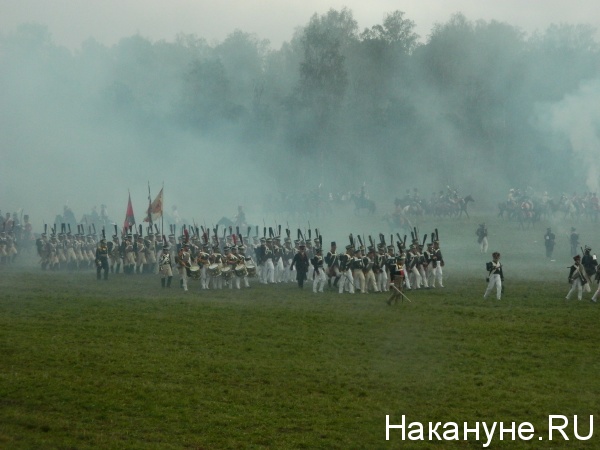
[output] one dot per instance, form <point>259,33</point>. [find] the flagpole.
<point>162,216</point>
<point>149,207</point>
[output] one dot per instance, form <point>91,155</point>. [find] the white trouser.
<point>576,286</point>
<point>416,277</point>
<point>359,280</point>
<point>382,281</point>
<point>268,275</point>
<point>483,247</point>
<point>346,281</point>
<point>437,275</point>
<point>495,280</point>
<point>319,280</point>
<point>370,282</point>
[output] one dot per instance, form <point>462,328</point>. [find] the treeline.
<point>379,102</point>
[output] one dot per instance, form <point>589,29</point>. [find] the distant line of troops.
<point>232,260</point>
<point>275,260</point>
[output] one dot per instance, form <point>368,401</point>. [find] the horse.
<point>397,220</point>
<point>361,203</point>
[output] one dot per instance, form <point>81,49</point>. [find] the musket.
<point>393,286</point>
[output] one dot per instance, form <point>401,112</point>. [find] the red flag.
<point>129,218</point>
<point>155,210</point>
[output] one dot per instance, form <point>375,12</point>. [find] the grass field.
<point>124,364</point>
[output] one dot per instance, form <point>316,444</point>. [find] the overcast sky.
<point>72,21</point>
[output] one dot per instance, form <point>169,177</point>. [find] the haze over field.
<point>229,106</point>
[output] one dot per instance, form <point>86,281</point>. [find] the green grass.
<point>125,364</point>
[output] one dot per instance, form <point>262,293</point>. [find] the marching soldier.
<point>380,269</point>
<point>114,251</point>
<point>165,266</point>
<point>589,263</point>
<point>184,262</point>
<point>102,259</point>
<point>347,280</point>
<point>319,271</point>
<point>357,265</point>
<point>268,268</point>
<point>203,261</point>
<point>397,277</point>
<point>369,264</point>
<point>413,269</point>
<point>150,247</point>
<point>577,278</point>
<point>438,264</point>
<point>495,276</point>
<point>41,245</point>
<point>333,265</point>
<point>300,261</point>
<point>140,260</point>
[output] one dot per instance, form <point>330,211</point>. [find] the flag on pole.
<point>155,210</point>
<point>129,217</point>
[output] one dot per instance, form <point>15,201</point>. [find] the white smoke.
<point>577,119</point>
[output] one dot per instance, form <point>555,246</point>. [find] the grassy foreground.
<point>124,364</point>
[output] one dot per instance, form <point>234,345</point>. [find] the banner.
<point>155,210</point>
<point>129,218</point>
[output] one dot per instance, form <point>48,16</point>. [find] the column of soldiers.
<point>232,260</point>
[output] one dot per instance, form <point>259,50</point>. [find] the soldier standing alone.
<point>549,240</point>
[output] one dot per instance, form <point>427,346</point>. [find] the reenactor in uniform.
<point>549,241</point>
<point>128,252</point>
<point>150,246</point>
<point>140,254</point>
<point>78,247</point>
<point>574,241</point>
<point>495,276</point>
<point>577,278</point>
<point>268,268</point>
<point>72,262</point>
<point>202,259</point>
<point>438,263</point>
<point>42,250</point>
<point>239,270</point>
<point>319,277</point>
<point>11,247</point>
<point>165,266</point>
<point>261,259</point>
<point>51,249</point>
<point>288,255</point>
<point>347,280</point>
<point>184,262</point>
<point>300,262</point>
<point>589,263</point>
<point>358,266</point>
<point>379,268</point>
<point>482,239</point>
<point>114,251</point>
<point>102,259</point>
<point>413,269</point>
<point>397,277</point>
<point>278,254</point>
<point>369,264</point>
<point>333,266</point>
